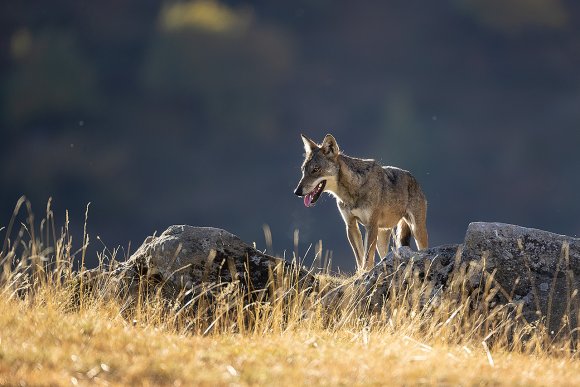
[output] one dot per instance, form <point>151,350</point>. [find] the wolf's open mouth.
<point>313,196</point>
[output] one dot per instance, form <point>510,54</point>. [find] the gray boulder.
<point>536,269</point>
<point>187,256</point>
<point>187,259</point>
<point>403,268</point>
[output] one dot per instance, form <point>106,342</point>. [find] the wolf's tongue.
<point>308,200</point>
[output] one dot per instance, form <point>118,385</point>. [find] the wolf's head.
<point>320,168</point>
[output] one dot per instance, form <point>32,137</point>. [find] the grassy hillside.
<point>55,332</point>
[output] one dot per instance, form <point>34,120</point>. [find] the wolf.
<point>380,198</point>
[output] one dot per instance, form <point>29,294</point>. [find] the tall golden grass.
<point>59,325</point>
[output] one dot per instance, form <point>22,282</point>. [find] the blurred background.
<point>173,112</point>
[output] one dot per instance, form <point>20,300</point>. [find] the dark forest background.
<point>164,112</point>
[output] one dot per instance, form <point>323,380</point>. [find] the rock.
<point>537,268</point>
<point>186,257</point>
<point>403,265</point>
<point>536,271</point>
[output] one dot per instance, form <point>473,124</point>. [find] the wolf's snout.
<point>298,191</point>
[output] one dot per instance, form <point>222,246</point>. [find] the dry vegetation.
<point>53,332</point>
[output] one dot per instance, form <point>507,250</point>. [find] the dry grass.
<point>45,346</point>
<point>52,335</point>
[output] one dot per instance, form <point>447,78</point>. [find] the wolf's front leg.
<point>383,241</point>
<point>370,245</point>
<point>355,239</point>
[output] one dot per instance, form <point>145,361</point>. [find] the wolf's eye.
<point>315,169</point>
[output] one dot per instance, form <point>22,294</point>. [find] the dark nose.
<point>298,191</point>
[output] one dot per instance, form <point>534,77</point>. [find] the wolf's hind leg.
<point>418,224</point>
<point>420,234</point>
<point>416,216</point>
<point>403,234</point>
<point>383,241</point>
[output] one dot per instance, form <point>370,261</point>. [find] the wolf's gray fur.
<point>380,198</point>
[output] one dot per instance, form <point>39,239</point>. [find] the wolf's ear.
<point>329,146</point>
<point>309,145</point>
